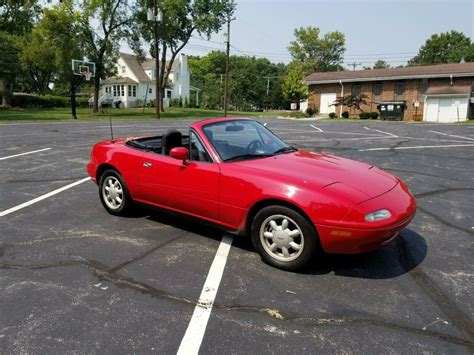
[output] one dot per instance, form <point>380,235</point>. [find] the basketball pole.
<point>157,66</point>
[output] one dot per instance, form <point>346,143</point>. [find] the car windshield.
<point>244,139</point>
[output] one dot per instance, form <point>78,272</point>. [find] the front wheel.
<point>284,238</point>
<point>114,194</point>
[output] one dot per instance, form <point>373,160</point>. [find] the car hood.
<point>357,181</point>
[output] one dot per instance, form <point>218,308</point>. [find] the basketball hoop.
<point>87,75</point>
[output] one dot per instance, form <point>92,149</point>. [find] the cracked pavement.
<point>76,279</point>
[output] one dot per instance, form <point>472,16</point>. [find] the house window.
<point>168,94</point>
<point>356,89</point>
<point>122,90</point>
<point>399,90</point>
<point>377,91</point>
<point>134,90</point>
<point>150,91</point>
<point>115,90</point>
<point>123,69</point>
<point>423,86</point>
<point>129,90</point>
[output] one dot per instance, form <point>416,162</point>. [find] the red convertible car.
<point>235,173</point>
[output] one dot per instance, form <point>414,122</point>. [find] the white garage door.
<point>446,109</point>
<point>326,101</point>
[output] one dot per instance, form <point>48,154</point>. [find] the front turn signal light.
<point>377,215</point>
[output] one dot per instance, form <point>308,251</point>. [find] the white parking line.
<point>317,129</point>
<point>419,147</point>
<point>192,339</point>
<point>452,135</point>
<point>383,132</point>
<point>18,155</point>
<point>43,197</point>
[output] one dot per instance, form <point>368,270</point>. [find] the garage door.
<point>446,109</point>
<point>326,101</point>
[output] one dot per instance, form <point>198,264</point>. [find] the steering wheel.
<point>253,146</point>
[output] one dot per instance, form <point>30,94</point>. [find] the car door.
<point>191,187</point>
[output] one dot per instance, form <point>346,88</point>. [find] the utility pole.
<point>226,83</point>
<point>268,85</point>
<point>156,16</point>
<point>354,65</point>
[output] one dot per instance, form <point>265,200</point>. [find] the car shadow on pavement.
<point>403,254</point>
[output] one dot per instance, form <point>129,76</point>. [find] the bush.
<point>345,114</point>
<point>82,101</point>
<point>332,115</point>
<point>45,101</point>
<point>374,115</point>
<point>364,115</point>
<point>309,111</point>
<point>174,102</point>
<point>298,114</point>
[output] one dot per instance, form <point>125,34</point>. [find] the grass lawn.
<point>86,114</point>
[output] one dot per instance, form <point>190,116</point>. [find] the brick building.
<point>438,93</point>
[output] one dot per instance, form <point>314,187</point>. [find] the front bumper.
<point>349,237</point>
<point>92,170</point>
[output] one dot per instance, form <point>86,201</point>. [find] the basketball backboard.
<point>81,67</point>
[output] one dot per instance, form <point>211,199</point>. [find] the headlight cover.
<point>377,215</point>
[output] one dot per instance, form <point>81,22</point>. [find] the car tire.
<point>284,238</point>
<point>114,194</point>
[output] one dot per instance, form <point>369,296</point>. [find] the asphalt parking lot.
<point>76,279</point>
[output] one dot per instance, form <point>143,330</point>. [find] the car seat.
<point>171,139</point>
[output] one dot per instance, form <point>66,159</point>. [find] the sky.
<point>392,30</point>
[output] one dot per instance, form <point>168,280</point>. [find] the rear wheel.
<point>284,238</point>
<point>114,194</point>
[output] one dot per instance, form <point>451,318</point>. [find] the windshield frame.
<point>261,131</point>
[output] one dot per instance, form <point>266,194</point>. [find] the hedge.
<point>46,101</point>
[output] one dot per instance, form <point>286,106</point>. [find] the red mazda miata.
<point>235,173</point>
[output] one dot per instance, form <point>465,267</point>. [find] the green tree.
<point>249,79</point>
<point>61,27</point>
<point>181,20</point>
<point>381,64</point>
<point>37,61</point>
<point>103,26</point>
<point>448,47</point>
<point>293,88</point>
<point>17,17</point>
<point>317,53</point>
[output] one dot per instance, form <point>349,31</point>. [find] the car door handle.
<point>147,164</point>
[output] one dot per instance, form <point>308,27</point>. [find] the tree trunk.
<point>95,107</point>
<point>3,93</point>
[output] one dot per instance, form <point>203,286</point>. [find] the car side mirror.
<point>180,153</point>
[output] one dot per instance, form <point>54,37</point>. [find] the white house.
<point>136,81</point>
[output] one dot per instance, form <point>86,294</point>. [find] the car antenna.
<point>111,129</point>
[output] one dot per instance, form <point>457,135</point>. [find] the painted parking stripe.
<point>419,147</point>
<point>192,339</point>
<point>26,153</point>
<point>383,132</point>
<point>452,135</point>
<point>43,197</point>
<point>317,129</point>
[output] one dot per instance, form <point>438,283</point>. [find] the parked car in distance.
<point>238,175</point>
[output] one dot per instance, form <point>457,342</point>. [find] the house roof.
<point>149,63</point>
<point>449,90</point>
<point>135,66</point>
<point>139,68</point>
<point>119,80</point>
<point>429,71</point>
